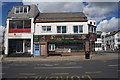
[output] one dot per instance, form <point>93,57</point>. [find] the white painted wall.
<point>99,40</point>
<point>69,28</point>
<point>18,35</point>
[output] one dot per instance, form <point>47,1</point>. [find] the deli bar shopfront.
<point>45,45</point>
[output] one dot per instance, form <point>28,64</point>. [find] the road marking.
<point>59,73</point>
<point>78,77</point>
<point>113,65</point>
<point>53,77</point>
<point>93,72</point>
<point>86,76</point>
<point>38,78</point>
<point>56,67</point>
<point>26,73</point>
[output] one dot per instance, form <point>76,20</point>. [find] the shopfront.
<point>62,44</point>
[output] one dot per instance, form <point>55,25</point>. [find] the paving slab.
<point>63,58</point>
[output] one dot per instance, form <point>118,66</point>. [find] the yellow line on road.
<point>26,73</point>
<point>78,77</point>
<point>112,65</point>
<point>86,76</point>
<point>93,72</point>
<point>59,73</point>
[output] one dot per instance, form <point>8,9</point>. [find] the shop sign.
<point>36,38</point>
<point>14,35</point>
<point>62,38</point>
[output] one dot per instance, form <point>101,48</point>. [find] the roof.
<point>32,12</point>
<point>112,33</point>
<point>61,16</point>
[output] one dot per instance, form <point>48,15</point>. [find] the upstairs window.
<point>61,29</point>
<point>92,29</point>
<point>21,9</point>
<point>46,28</point>
<point>78,29</point>
<point>20,24</point>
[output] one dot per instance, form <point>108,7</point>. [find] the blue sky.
<point>103,13</point>
<point>5,8</point>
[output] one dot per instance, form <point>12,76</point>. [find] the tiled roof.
<point>61,15</point>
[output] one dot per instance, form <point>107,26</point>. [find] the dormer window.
<point>23,9</point>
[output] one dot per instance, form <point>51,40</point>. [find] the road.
<point>67,69</point>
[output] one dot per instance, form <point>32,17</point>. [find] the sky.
<point>105,13</point>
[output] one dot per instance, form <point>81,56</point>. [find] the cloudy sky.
<point>105,13</point>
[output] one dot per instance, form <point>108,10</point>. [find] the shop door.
<point>19,46</point>
<point>36,49</point>
<point>43,50</point>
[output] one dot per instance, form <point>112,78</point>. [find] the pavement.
<point>62,58</point>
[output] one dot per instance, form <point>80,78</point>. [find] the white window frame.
<point>51,47</point>
<point>46,29</point>
<point>22,10</point>
<point>78,31</point>
<point>61,31</point>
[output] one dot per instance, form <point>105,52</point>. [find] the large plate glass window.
<point>20,24</point>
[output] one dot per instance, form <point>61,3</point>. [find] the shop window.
<point>61,29</point>
<point>20,24</point>
<point>21,9</point>
<point>78,29</point>
<point>51,47</point>
<point>46,28</point>
<point>73,46</point>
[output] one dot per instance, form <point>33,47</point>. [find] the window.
<point>90,22</point>
<point>46,28</point>
<point>27,24</point>
<point>17,9</point>
<point>20,24</point>
<point>61,29</point>
<point>74,46</point>
<point>92,29</point>
<point>51,47</point>
<point>21,9</point>
<point>98,36</point>
<point>78,29</point>
<point>118,40</point>
<point>97,45</point>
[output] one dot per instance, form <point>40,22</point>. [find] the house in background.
<point>29,31</point>
<point>98,43</point>
<point>112,41</point>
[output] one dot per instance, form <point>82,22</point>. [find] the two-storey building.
<point>42,34</point>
